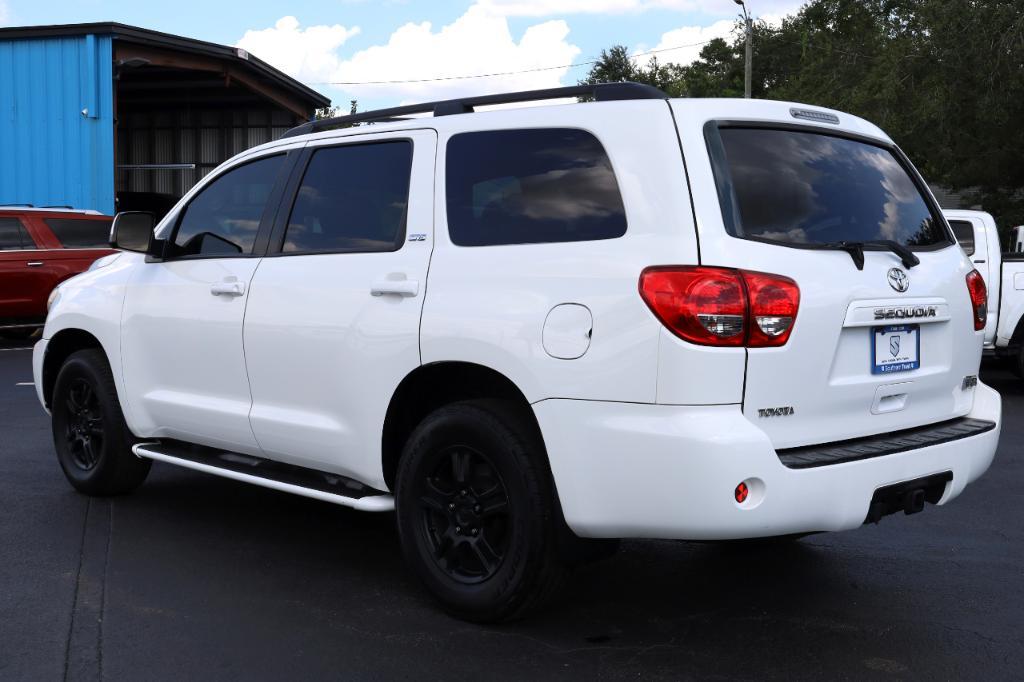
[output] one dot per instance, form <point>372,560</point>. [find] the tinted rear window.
<point>807,188</point>
<point>13,236</point>
<point>81,234</point>
<point>964,232</point>
<point>531,186</point>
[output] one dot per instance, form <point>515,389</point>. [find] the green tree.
<point>944,78</point>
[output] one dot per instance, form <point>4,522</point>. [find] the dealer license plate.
<point>896,348</point>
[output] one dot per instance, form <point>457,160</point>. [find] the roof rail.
<point>601,92</point>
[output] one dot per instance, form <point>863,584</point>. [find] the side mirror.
<point>132,231</point>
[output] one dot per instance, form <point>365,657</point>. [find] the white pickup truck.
<point>1004,276</point>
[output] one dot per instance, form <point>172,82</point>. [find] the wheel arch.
<point>58,349</point>
<point>434,385</point>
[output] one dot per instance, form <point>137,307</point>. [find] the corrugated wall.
<point>57,122</point>
<point>189,136</point>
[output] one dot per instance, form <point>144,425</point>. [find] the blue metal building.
<point>108,116</point>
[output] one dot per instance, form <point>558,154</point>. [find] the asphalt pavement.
<point>197,577</point>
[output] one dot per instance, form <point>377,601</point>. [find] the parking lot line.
<point>26,383</point>
<point>3,349</point>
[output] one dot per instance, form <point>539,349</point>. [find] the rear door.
<point>23,289</point>
<point>333,320</point>
<point>878,345</point>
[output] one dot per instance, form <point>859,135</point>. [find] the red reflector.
<point>721,306</point>
<point>979,298</point>
<point>741,492</point>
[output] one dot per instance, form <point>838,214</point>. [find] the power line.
<point>504,73</point>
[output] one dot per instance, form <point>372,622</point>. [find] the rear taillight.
<point>722,306</point>
<point>979,298</point>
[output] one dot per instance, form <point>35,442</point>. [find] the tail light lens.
<point>979,298</point>
<point>722,306</point>
<point>773,304</point>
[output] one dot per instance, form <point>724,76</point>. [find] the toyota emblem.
<point>898,280</point>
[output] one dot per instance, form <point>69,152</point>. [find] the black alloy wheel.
<point>477,513</point>
<point>83,431</point>
<point>464,510</point>
<point>93,443</point>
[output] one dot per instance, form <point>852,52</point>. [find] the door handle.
<point>227,288</point>
<point>34,263</point>
<point>395,287</point>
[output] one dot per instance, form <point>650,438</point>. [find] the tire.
<point>93,442</point>
<point>477,514</point>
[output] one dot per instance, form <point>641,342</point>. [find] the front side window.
<point>964,233</point>
<point>13,236</point>
<point>804,188</point>
<point>80,234</point>
<point>531,186</point>
<point>352,198</point>
<point>223,219</point>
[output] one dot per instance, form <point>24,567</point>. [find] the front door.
<point>184,363</point>
<point>333,320</point>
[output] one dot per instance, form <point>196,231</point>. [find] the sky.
<point>347,49</point>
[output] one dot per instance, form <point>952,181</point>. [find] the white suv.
<point>532,331</point>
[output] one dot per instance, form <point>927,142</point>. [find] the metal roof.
<point>144,36</point>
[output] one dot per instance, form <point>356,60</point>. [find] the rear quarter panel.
<point>488,304</point>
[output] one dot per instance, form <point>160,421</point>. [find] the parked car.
<point>534,331</point>
<point>39,249</point>
<point>1004,279</point>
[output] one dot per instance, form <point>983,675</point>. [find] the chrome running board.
<point>318,485</point>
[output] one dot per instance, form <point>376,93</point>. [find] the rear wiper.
<point>856,251</point>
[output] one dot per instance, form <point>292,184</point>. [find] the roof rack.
<point>601,92</point>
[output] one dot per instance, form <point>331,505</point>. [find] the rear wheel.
<point>93,442</point>
<point>477,513</point>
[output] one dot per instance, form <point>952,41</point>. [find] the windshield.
<point>797,188</point>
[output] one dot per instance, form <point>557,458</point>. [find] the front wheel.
<point>476,512</point>
<point>93,442</point>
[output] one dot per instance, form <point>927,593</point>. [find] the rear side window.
<point>529,187</point>
<point>964,233</point>
<point>13,236</point>
<point>80,234</point>
<point>803,188</point>
<point>223,219</point>
<point>352,198</point>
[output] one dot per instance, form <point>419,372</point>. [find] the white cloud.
<point>478,42</point>
<point>545,8</point>
<point>689,40</point>
<point>309,54</point>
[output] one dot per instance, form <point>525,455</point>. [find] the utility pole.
<point>749,56</point>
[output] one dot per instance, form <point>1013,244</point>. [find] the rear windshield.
<point>77,233</point>
<point>795,187</point>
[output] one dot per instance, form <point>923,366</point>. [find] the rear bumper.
<point>661,471</point>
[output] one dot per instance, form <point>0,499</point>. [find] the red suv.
<point>39,249</point>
